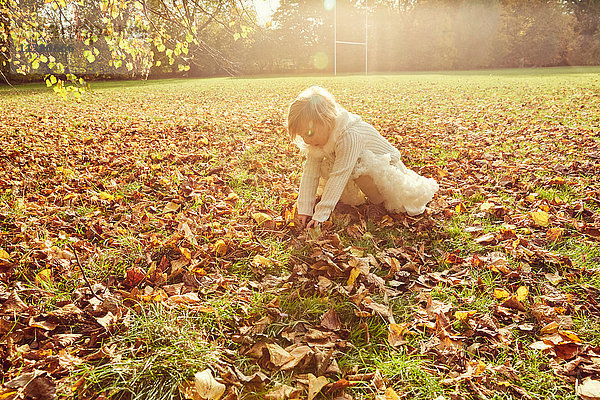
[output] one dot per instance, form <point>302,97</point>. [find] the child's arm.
<point>308,185</point>
<point>347,151</point>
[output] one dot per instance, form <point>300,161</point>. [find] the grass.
<point>468,129</point>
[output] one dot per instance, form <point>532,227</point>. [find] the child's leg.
<point>368,187</point>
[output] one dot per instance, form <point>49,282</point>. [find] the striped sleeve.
<point>308,185</point>
<point>347,150</point>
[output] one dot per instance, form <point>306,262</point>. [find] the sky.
<point>264,9</point>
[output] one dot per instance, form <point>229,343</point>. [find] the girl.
<point>354,160</point>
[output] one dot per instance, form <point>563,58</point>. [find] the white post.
<point>365,43</point>
<point>335,38</point>
<point>366,36</point>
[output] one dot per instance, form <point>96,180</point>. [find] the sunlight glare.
<point>320,60</point>
<point>329,4</point>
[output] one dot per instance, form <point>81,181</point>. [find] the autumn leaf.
<point>171,207</point>
<point>396,334</point>
<point>589,389</point>
<point>501,294</point>
<point>261,218</point>
<point>4,254</point>
<point>315,385</point>
<point>207,386</point>
<point>554,234</point>
<point>522,293</point>
<point>220,247</point>
<point>354,273</point>
<point>106,196</point>
<point>463,316</point>
<point>540,218</point>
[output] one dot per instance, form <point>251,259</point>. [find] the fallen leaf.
<point>549,329</point>
<point>354,273</point>
<point>261,218</point>
<point>463,316</point>
<point>331,320</point>
<point>540,218</point>
<point>106,196</point>
<point>486,239</point>
<point>280,392</point>
<point>501,294</point>
<point>13,304</point>
<point>554,234</point>
<point>4,254</point>
<point>278,355</point>
<point>220,248</point>
<point>522,293</point>
<point>261,261</point>
<point>315,385</point>
<point>207,386</point>
<point>396,334</point>
<point>589,389</point>
<point>170,207</point>
<point>188,298</point>
<point>37,384</point>
<point>390,394</point>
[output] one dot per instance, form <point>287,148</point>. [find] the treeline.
<point>434,34</point>
<point>401,34</point>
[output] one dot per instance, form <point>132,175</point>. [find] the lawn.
<point>147,233</point>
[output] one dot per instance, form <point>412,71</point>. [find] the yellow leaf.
<point>353,275</point>
<point>171,207</point>
<point>569,335</point>
<point>44,276</point>
<point>540,218</point>
<point>464,315</point>
<point>203,141</point>
<point>106,196</point>
<point>220,247</point>
<point>390,394</point>
<point>186,253</point>
<point>4,254</point>
<point>261,217</point>
<point>261,261</point>
<point>480,367</point>
<point>531,197</point>
<point>550,328</point>
<point>501,294</point>
<point>486,206</point>
<point>522,293</point>
<point>460,208</point>
<point>70,196</point>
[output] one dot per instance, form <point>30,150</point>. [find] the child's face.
<point>316,134</point>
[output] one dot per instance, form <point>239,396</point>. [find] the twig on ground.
<point>83,272</point>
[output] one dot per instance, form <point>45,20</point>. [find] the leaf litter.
<point>160,211</point>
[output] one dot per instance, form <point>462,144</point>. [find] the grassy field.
<point>175,200</point>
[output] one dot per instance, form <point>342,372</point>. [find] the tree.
<point>303,28</point>
<point>95,37</point>
<point>587,28</point>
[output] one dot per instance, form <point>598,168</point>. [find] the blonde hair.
<point>313,105</point>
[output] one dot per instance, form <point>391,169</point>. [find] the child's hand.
<point>313,224</point>
<point>303,219</point>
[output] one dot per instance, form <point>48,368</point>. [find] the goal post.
<point>337,42</point>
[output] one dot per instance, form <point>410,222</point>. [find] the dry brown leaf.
<point>278,355</point>
<point>207,386</point>
<point>315,385</point>
<point>589,389</point>
<point>331,320</point>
